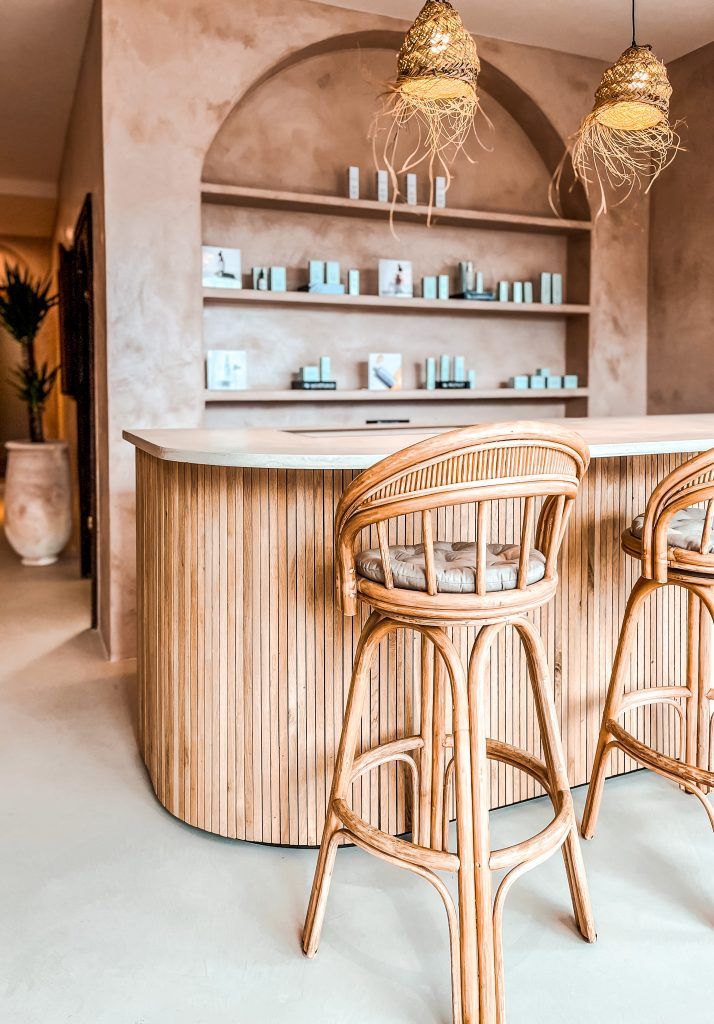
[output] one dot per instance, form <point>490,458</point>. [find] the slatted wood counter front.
<point>244,658</point>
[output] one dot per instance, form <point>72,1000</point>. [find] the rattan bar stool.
<point>673,540</point>
<point>427,588</point>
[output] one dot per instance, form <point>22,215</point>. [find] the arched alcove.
<point>296,129</point>
<point>305,120</point>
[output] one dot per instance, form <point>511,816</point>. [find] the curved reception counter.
<point>245,659</point>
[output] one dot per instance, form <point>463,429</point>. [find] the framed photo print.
<point>395,279</point>
<point>221,267</point>
<point>385,371</point>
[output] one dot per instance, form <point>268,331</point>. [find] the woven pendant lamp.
<point>434,93</point>
<point>627,139</point>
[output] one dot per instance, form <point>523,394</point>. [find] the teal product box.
<point>443,292</point>
<point>528,291</point>
<point>428,287</point>
<point>537,382</point>
<point>445,368</point>
<point>554,382</point>
<point>543,371</point>
<point>472,379</point>
<point>310,374</point>
<point>353,282</point>
<point>546,289</point>
<point>570,380</point>
<point>325,368</point>
<point>520,383</point>
<point>332,272</point>
<point>503,289</point>
<point>430,367</point>
<point>459,368</point>
<point>518,291</point>
<point>556,290</point>
<point>278,279</point>
<point>316,271</point>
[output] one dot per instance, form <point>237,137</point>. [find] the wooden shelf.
<point>445,307</point>
<point>259,198</point>
<point>412,395</point>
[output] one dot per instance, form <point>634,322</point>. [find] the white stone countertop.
<point>282,449</point>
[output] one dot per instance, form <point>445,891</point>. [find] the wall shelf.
<point>445,307</point>
<point>406,395</point>
<point>259,198</point>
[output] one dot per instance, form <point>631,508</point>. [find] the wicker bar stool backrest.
<point>480,464</point>
<point>689,484</point>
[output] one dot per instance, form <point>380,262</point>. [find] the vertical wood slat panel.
<point>244,658</point>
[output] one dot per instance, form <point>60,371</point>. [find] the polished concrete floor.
<point>112,912</point>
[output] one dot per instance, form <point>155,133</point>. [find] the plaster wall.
<point>681,297</point>
<point>171,75</point>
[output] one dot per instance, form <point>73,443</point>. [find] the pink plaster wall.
<point>171,73</point>
<point>681,306</point>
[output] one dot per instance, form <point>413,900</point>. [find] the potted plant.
<point>38,516</point>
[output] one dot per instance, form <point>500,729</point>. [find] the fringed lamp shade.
<point>434,93</point>
<point>626,138</point>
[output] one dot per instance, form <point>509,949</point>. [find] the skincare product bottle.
<point>503,291</point>
<point>443,289</point>
<point>353,282</point>
<point>479,282</point>
<point>556,292</point>
<point>546,294</point>
<point>445,368</point>
<point>459,368</point>
<point>472,380</point>
<point>410,188</point>
<point>325,368</point>
<point>528,291</point>
<point>430,373</point>
<point>262,282</point>
<point>518,291</point>
<point>316,272</point>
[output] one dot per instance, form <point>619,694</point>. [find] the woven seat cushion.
<point>455,565</point>
<point>685,530</point>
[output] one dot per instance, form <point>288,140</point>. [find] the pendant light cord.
<point>644,46</point>
<point>634,40</point>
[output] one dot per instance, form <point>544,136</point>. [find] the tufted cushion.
<point>685,529</point>
<point>455,565</point>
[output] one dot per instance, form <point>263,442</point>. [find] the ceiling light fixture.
<point>626,139</point>
<point>434,93</point>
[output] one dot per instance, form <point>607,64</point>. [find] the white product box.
<point>226,370</point>
<point>353,182</point>
<point>221,267</point>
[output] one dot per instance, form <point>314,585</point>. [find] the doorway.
<point>76,315</point>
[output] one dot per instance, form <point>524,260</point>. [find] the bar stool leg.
<point>473,876</point>
<point>340,783</point>
<point>555,764</point>
<point>641,589</point>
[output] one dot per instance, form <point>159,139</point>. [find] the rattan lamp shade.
<point>429,109</point>
<point>634,93</point>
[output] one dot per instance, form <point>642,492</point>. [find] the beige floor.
<point>112,912</point>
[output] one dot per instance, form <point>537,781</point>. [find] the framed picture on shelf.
<point>385,371</point>
<point>221,267</point>
<point>226,370</point>
<point>395,279</point>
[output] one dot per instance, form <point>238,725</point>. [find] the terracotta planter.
<point>38,512</point>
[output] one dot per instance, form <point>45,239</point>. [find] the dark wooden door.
<point>76,291</point>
